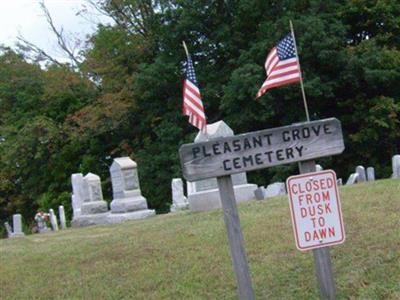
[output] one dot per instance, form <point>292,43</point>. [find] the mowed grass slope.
<point>186,255</point>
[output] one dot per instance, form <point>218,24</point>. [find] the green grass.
<point>186,255</point>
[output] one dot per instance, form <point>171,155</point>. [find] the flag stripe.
<point>270,56</point>
<point>194,98</point>
<point>192,107</point>
<point>281,65</point>
<point>192,103</point>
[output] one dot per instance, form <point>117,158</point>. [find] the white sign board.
<point>315,210</point>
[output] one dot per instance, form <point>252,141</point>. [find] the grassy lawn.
<point>186,255</point>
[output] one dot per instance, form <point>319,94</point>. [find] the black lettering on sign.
<point>247,159</point>
<point>236,145</point>
<point>195,151</point>
<point>285,136</point>
<point>236,164</point>
<point>246,143</point>
<point>279,155</point>
<point>268,136</point>
<point>327,130</point>
<point>216,149</point>
<point>257,141</point>
<point>258,158</point>
<point>289,153</point>
<point>225,163</point>
<point>227,148</point>
<point>316,129</point>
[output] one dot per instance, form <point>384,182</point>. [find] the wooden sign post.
<point>235,237</point>
<point>220,158</point>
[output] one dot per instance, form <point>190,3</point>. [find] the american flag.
<point>192,104</point>
<point>281,65</point>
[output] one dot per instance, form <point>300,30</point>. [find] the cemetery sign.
<point>261,149</point>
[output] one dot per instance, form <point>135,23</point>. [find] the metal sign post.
<point>322,258</point>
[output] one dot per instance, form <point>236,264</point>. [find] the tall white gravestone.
<point>362,177</point>
<point>16,230</point>
<point>93,210</point>
<point>396,166</point>
<point>370,174</point>
<point>17,225</point>
<point>61,214</point>
<point>77,193</point>
<point>179,201</point>
<point>204,194</point>
<point>53,220</point>
<point>128,202</point>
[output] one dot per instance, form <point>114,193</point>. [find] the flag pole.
<point>186,49</point>
<point>301,75</point>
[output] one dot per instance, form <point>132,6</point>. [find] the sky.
<point>25,17</point>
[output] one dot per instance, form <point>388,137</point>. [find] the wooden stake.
<point>301,75</point>
<point>235,237</point>
<point>322,258</point>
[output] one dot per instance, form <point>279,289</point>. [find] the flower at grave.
<point>41,216</point>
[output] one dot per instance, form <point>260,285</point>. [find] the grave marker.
<point>128,202</point>
<point>61,213</point>
<point>17,225</point>
<point>179,201</point>
<point>362,177</point>
<point>396,166</point>
<point>8,229</point>
<point>53,220</point>
<point>370,174</point>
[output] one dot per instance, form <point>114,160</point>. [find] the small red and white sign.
<point>315,209</point>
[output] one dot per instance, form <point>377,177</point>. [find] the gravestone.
<point>17,226</point>
<point>53,220</point>
<point>77,193</point>
<point>352,179</point>
<point>9,230</point>
<point>362,177</point>
<point>260,193</point>
<point>93,210</point>
<point>318,168</point>
<point>339,181</point>
<point>128,202</point>
<point>396,166</point>
<point>61,213</point>
<point>204,195</point>
<point>179,201</point>
<point>370,174</point>
<point>275,189</point>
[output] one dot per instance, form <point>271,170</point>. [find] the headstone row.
<point>362,175</point>
<point>89,207</point>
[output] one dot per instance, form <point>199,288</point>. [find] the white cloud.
<point>25,17</point>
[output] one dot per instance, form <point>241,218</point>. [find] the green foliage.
<point>54,122</point>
